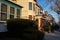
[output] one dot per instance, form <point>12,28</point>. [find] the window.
<point>30,17</point>
<point>34,7</point>
<point>12,12</point>
<point>30,5</point>
<point>3,16</point>
<point>11,16</point>
<point>3,12</point>
<point>13,0</point>
<point>18,13</point>
<point>34,17</point>
<point>35,10</point>
<point>38,11</point>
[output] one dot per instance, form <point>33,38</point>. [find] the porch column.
<point>39,24</point>
<point>0,11</point>
<point>8,12</point>
<point>15,14</point>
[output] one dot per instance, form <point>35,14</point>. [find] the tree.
<point>55,7</point>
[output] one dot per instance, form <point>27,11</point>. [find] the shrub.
<point>23,28</point>
<point>47,27</point>
<point>19,24</point>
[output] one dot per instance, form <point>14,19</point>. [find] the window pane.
<point>34,7</point>
<point>12,10</point>
<point>3,12</point>
<point>3,16</point>
<point>35,10</point>
<point>18,13</point>
<point>30,5</point>
<point>3,8</point>
<point>30,17</point>
<point>11,16</point>
<point>13,0</point>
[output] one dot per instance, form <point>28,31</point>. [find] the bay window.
<point>12,12</point>
<point>18,13</point>
<point>3,12</point>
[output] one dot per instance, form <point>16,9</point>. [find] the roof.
<point>36,3</point>
<point>14,3</point>
<point>35,0</point>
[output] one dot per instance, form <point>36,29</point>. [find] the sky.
<point>43,4</point>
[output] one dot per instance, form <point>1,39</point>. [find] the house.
<point>30,10</point>
<point>8,10</point>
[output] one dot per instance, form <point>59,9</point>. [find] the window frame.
<point>33,7</point>
<point>3,12</point>
<point>30,17</point>
<point>30,5</point>
<point>18,13</point>
<point>12,12</point>
<point>14,0</point>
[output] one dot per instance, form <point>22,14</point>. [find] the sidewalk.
<point>52,36</point>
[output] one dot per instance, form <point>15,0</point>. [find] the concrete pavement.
<point>52,36</point>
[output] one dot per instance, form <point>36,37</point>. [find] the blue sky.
<point>43,4</point>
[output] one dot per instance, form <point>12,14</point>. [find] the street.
<point>52,36</point>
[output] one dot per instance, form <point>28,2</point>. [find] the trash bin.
<point>3,26</point>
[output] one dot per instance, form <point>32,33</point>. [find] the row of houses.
<point>24,9</point>
<point>28,9</point>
